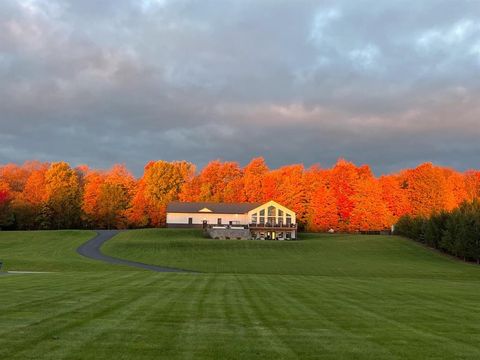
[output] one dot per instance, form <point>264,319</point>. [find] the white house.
<point>265,221</point>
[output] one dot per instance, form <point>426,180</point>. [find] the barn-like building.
<point>268,221</point>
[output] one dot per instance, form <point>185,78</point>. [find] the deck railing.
<point>253,226</point>
<point>271,225</point>
<point>226,226</point>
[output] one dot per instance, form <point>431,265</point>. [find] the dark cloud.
<point>391,84</point>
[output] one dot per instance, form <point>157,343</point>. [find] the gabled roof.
<point>216,208</point>
<point>274,203</point>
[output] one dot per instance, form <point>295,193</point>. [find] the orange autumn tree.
<point>63,206</point>
<point>34,191</point>
<point>322,212</point>
<point>214,179</point>
<point>427,189</point>
<point>235,191</point>
<point>254,180</point>
<point>28,204</point>
<point>342,181</point>
<point>91,197</point>
<point>472,184</point>
<point>345,197</point>
<point>160,184</point>
<point>395,196</point>
<point>370,213</point>
<point>286,185</point>
<point>456,191</point>
<point>115,196</point>
<point>16,176</point>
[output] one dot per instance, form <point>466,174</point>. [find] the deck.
<point>267,226</point>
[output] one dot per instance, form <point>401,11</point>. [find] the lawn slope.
<point>338,297</point>
<point>316,254</point>
<point>44,250</point>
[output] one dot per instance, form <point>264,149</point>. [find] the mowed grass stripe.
<point>127,331</point>
<point>367,320</point>
<point>260,317</point>
<point>92,325</point>
<point>49,320</point>
<point>55,294</point>
<point>305,309</point>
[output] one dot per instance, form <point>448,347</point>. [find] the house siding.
<point>198,218</point>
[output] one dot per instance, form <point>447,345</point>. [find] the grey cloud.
<point>385,83</point>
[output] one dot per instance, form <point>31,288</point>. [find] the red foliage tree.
<point>342,181</point>
<point>5,198</point>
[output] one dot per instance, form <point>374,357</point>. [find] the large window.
<point>254,218</point>
<point>262,216</point>
<point>280,217</point>
<point>271,211</point>
<point>289,219</point>
<point>272,215</point>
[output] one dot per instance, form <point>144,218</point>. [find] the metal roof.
<point>215,208</point>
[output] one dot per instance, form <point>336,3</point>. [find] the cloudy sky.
<point>388,83</point>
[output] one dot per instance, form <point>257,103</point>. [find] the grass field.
<point>328,297</point>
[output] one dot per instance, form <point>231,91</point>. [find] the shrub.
<point>456,232</point>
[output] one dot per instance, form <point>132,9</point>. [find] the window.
<point>271,211</point>
<point>254,218</point>
<point>271,215</point>
<point>219,221</point>
<point>190,221</point>
<point>280,217</point>
<point>262,216</point>
<point>289,219</point>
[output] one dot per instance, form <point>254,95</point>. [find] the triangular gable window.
<point>205,210</point>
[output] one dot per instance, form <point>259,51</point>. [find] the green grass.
<point>47,251</point>
<point>356,256</point>
<point>328,297</point>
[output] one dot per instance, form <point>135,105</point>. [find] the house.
<point>268,221</point>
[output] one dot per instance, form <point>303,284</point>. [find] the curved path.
<point>91,249</point>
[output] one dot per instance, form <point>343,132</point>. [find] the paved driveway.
<point>91,249</point>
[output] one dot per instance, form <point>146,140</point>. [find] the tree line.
<point>455,232</point>
<point>345,197</point>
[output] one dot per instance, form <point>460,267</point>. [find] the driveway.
<point>91,249</point>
